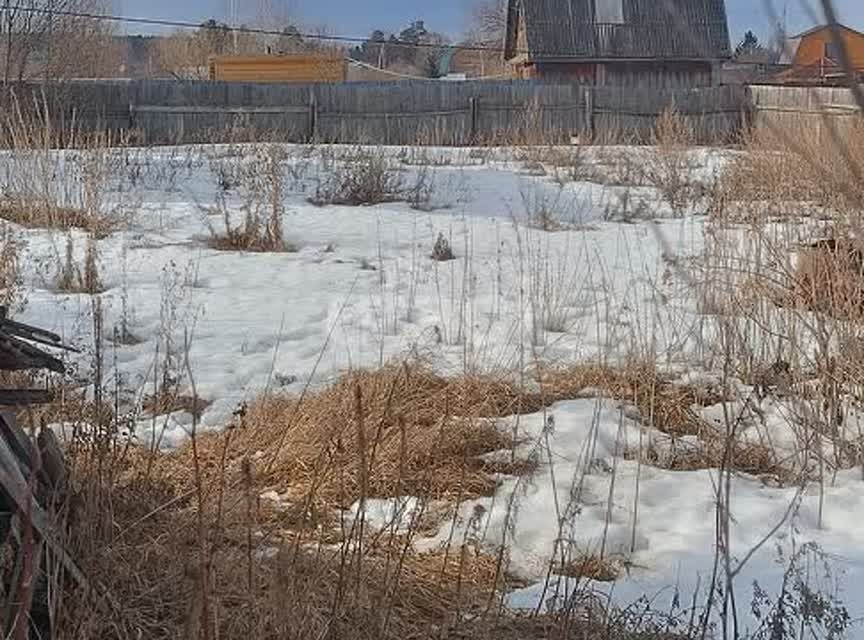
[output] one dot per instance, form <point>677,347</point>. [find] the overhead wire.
<point>185,24</point>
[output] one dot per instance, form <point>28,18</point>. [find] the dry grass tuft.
<point>360,178</point>
<point>668,407</point>
<point>33,213</point>
<point>400,430</point>
<point>171,402</point>
<point>263,208</point>
<point>592,567</point>
<point>12,293</point>
<point>829,278</point>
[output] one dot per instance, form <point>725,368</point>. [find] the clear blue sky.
<point>359,17</point>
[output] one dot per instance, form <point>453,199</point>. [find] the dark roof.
<point>656,29</point>
<point>822,27</point>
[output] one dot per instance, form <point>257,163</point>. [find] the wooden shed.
<point>638,43</point>
<point>301,68</point>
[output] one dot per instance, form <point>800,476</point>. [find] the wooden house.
<point>279,68</point>
<point>814,56</point>
<point>639,43</point>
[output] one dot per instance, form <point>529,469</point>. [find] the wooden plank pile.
<point>33,486</point>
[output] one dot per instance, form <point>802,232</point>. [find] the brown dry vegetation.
<point>401,430</point>
<point>36,214</point>
<point>188,545</point>
<point>801,167</point>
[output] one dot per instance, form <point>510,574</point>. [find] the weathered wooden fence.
<point>714,114</point>
<point>803,110</point>
<point>426,112</point>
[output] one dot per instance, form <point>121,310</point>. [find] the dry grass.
<point>172,402</point>
<point>40,214</point>
<point>73,277</point>
<point>592,567</point>
<point>785,174</point>
<point>262,209</point>
<point>138,539</point>
<point>360,178</point>
<point>401,430</point>
<point>257,585</point>
<point>670,168</point>
<point>669,407</point>
<point>12,293</point>
<point>171,560</point>
<point>829,278</point>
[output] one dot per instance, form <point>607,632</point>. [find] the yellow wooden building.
<point>300,68</point>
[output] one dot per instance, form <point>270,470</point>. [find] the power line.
<point>181,24</point>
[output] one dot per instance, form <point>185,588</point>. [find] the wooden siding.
<point>285,68</point>
<point>667,75</point>
<point>637,74</point>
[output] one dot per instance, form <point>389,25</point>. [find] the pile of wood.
<point>33,486</point>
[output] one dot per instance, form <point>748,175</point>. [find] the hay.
<point>400,430</point>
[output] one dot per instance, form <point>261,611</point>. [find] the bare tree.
<point>488,23</point>
<point>186,54</point>
<point>40,39</point>
<point>486,38</point>
<point>183,56</point>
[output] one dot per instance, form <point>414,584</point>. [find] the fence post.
<point>313,117</point>
<point>589,111</point>
<point>473,108</point>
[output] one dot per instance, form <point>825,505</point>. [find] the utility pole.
<point>8,15</point>
<point>50,59</point>
<point>234,25</point>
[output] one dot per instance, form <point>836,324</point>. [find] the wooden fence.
<point>425,112</point>
<point>809,110</point>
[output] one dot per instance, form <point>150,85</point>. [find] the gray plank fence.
<point>425,112</point>
<point>808,111</point>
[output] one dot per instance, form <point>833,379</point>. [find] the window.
<point>832,50</point>
<point>609,11</point>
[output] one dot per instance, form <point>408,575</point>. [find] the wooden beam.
<point>16,490</point>
<point>18,441</point>
<point>24,397</point>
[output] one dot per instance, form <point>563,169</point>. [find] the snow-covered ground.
<point>361,288</point>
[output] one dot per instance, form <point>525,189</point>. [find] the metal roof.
<point>823,27</point>
<point>637,29</point>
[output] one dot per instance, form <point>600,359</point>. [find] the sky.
<point>359,17</point>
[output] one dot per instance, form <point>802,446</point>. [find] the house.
<point>654,43</point>
<point>813,57</point>
<point>279,68</point>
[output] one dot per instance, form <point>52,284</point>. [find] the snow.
<point>565,509</point>
<point>361,289</point>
